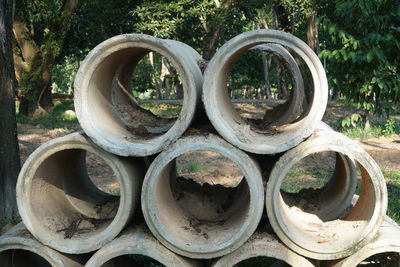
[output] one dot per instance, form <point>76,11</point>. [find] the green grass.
<point>162,110</point>
<point>194,167</point>
<point>393,186</point>
<point>58,118</point>
<point>293,181</point>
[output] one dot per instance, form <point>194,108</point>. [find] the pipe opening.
<point>261,261</point>
<point>65,200</point>
<point>147,95</point>
<point>101,174</point>
<point>389,259</point>
<point>22,258</point>
<point>132,260</point>
<point>324,215</point>
<point>209,199</point>
<point>273,95</point>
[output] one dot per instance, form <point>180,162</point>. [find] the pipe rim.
<point>251,173</point>
<point>26,207</point>
<point>103,51</point>
<point>350,149</point>
<point>242,136</point>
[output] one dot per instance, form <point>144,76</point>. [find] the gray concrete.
<point>54,193</point>
<point>214,237</point>
<point>228,122</point>
<point>387,240</point>
<point>264,245</point>
<point>136,241</point>
<point>93,97</point>
<point>330,228</point>
<point>18,248</point>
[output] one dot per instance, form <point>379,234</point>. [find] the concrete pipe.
<point>322,223</point>
<point>291,109</point>
<point>208,228</point>
<point>262,244</point>
<point>111,116</point>
<point>18,248</point>
<point>130,247</point>
<point>228,122</point>
<point>387,241</point>
<point>62,207</point>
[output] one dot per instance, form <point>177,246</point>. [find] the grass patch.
<point>162,110</point>
<point>194,167</point>
<point>298,179</point>
<point>61,117</point>
<point>393,186</point>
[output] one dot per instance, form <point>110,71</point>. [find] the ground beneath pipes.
<point>385,150</point>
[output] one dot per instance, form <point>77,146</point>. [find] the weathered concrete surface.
<point>136,240</point>
<point>387,240</point>
<point>291,109</point>
<point>18,248</point>
<point>203,237</point>
<point>60,205</point>
<point>226,120</point>
<point>321,226</point>
<point>94,99</point>
<point>264,245</point>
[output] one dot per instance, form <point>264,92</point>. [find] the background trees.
<point>9,157</point>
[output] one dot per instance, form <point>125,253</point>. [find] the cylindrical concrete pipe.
<point>291,109</point>
<point>262,244</point>
<point>136,242</point>
<point>228,122</point>
<point>62,207</point>
<point>322,223</point>
<point>387,241</point>
<point>18,248</point>
<point>102,97</point>
<point>185,231</point>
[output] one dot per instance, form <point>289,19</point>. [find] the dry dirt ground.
<point>385,150</point>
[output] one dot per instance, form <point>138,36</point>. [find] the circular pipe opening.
<point>107,100</point>
<point>273,139</point>
<point>22,258</point>
<point>62,207</point>
<point>196,209</point>
<point>322,223</point>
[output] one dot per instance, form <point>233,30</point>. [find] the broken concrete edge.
<point>127,172</point>
<point>137,240</point>
<point>226,120</point>
<point>154,206</point>
<point>387,240</point>
<point>262,244</point>
<point>324,139</point>
<point>18,238</point>
<point>94,110</point>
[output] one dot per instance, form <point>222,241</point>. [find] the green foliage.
<point>351,121</point>
<point>393,186</point>
<point>389,128</point>
<point>58,118</point>
<point>195,167</point>
<point>362,44</point>
<point>63,75</point>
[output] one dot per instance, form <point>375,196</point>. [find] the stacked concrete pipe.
<point>57,201</point>
<point>18,248</point>
<point>54,193</point>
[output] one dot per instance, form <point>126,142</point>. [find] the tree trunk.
<point>312,32</point>
<point>212,37</point>
<point>9,150</point>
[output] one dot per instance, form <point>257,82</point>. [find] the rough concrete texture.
<point>189,235</point>
<point>136,240</point>
<point>262,244</point>
<point>61,206</point>
<point>387,240</point>
<point>291,109</point>
<point>230,125</point>
<point>18,248</point>
<point>94,99</point>
<point>325,225</point>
